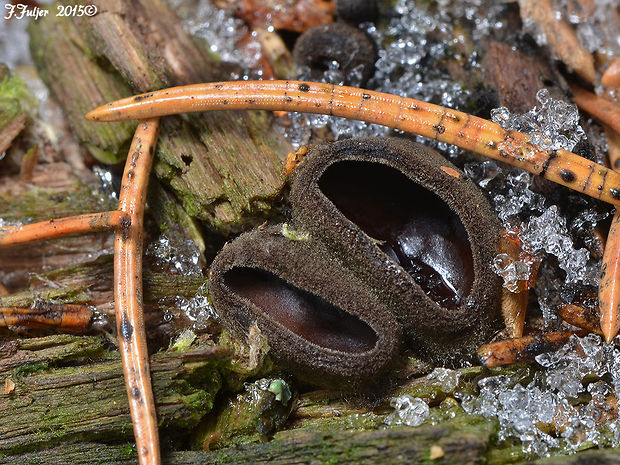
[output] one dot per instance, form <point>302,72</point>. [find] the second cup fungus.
<point>319,322</point>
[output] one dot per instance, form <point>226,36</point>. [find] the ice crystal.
<point>549,233</point>
<point>198,310</point>
<point>544,413</point>
<point>410,411</point>
<point>597,29</point>
<point>409,46</point>
<point>108,182</point>
<point>515,196</point>
<point>223,33</point>
<point>448,379</point>
<point>183,257</point>
<point>552,125</point>
<point>511,271</point>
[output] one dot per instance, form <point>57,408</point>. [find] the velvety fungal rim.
<point>309,267</point>
<point>443,335</point>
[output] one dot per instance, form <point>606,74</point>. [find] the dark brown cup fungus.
<point>356,11</point>
<point>346,45</point>
<point>407,223</point>
<point>319,323</point>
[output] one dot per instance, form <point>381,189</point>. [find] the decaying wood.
<point>53,192</point>
<point>90,284</point>
<point>225,168</point>
<point>70,389</point>
<point>516,76</point>
<point>12,116</point>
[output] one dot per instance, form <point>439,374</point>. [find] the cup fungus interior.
<point>411,224</point>
<point>309,316</point>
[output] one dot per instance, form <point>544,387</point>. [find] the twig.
<point>92,222</point>
<point>523,349</point>
<point>70,318</point>
<point>440,123</point>
<point>128,292</point>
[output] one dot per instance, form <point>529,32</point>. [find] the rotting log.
<point>517,76</point>
<point>12,115</point>
<point>226,168</point>
<point>399,445</point>
<point>64,403</point>
<point>66,389</point>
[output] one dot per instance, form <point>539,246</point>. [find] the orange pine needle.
<point>92,222</point>
<point>611,77</point>
<point>513,310</point>
<point>602,109</point>
<point>609,287</point>
<point>582,317</point>
<point>613,148</point>
<point>454,127</point>
<point>128,292</point>
<point>523,349</point>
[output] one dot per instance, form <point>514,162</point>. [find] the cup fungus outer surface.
<point>442,332</point>
<point>337,42</point>
<point>329,329</point>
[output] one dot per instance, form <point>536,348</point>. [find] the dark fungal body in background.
<point>356,11</point>
<point>342,43</point>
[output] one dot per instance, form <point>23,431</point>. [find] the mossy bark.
<point>57,394</point>
<point>226,168</point>
<point>13,96</point>
<point>394,446</point>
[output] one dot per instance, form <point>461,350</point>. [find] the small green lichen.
<point>183,341</point>
<point>293,234</point>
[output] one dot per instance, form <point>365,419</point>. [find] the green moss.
<point>30,368</point>
<point>14,89</point>
<point>74,294</point>
<point>39,204</point>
